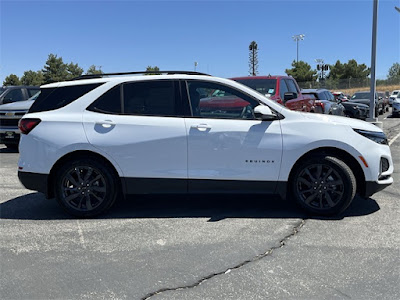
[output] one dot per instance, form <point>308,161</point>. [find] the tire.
<point>323,185</point>
<point>86,187</point>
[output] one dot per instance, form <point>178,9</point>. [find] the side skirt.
<point>202,186</point>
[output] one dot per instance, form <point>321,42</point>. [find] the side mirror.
<point>289,96</point>
<point>264,113</point>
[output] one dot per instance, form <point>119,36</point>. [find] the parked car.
<point>326,100</point>
<point>393,96</point>
<point>282,89</point>
<point>340,96</point>
<point>364,98</point>
<point>87,141</point>
<point>396,106</point>
<point>9,94</point>
<point>10,114</point>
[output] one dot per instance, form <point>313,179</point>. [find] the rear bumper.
<point>34,181</point>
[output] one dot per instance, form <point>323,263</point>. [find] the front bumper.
<point>9,137</point>
<point>372,187</point>
<point>34,181</point>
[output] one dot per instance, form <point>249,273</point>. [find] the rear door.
<point>140,125</point>
<point>228,149</point>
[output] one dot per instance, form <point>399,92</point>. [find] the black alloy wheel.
<point>324,185</point>
<point>85,188</point>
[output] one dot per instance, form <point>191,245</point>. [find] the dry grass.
<point>379,88</point>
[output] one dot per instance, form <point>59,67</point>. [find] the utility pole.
<point>297,38</point>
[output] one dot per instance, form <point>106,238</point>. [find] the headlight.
<point>378,137</point>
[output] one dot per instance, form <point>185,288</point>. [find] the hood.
<point>363,101</point>
<point>338,120</point>
<point>350,103</point>
<point>18,105</point>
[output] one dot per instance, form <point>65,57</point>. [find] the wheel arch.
<point>347,158</point>
<point>75,155</point>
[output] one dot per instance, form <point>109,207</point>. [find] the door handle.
<point>106,123</point>
<point>201,127</point>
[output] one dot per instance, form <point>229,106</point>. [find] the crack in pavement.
<point>282,243</point>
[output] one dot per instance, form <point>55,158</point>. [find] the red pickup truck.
<point>282,89</point>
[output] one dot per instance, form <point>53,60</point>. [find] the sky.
<point>123,36</point>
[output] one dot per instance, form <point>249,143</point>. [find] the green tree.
<point>351,69</point>
<point>154,69</point>
<point>12,79</point>
<point>32,78</point>
<point>302,71</point>
<point>93,71</point>
<point>55,69</point>
<point>73,71</point>
<point>350,74</point>
<point>394,73</point>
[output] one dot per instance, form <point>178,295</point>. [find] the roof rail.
<point>90,76</point>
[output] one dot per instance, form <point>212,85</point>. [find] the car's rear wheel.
<point>86,187</point>
<point>323,185</point>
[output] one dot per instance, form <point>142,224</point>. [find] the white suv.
<point>86,141</point>
<point>393,96</point>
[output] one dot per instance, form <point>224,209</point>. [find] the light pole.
<point>372,117</point>
<point>195,65</point>
<point>297,38</point>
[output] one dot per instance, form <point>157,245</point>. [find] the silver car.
<point>325,101</point>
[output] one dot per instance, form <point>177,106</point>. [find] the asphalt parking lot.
<point>197,247</point>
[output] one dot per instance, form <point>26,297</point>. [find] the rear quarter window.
<point>55,98</point>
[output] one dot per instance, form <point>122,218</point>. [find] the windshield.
<point>263,86</point>
<point>2,89</point>
<point>360,96</point>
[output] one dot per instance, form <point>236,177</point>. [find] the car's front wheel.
<point>323,185</point>
<point>86,187</point>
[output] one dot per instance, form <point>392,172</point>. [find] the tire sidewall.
<point>110,182</point>
<point>346,176</point>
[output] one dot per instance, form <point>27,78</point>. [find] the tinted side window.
<point>151,98</point>
<point>330,96</point>
<point>292,87</point>
<point>283,88</point>
<point>213,100</point>
<point>109,102</point>
<point>54,98</point>
<point>14,95</point>
<point>322,96</point>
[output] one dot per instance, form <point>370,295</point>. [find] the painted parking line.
<point>393,139</point>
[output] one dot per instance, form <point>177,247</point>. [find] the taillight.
<point>26,125</point>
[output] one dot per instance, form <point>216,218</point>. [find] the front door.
<point>228,149</point>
